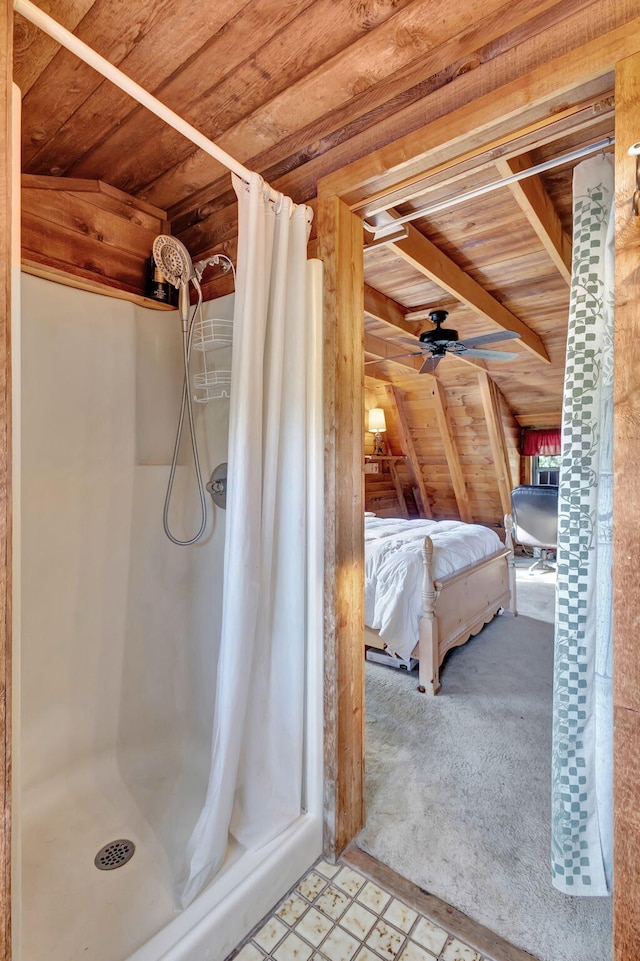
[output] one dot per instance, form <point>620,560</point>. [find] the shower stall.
<point>118,626</point>
<point>118,639</point>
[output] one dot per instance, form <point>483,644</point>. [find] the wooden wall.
<point>6,226</point>
<point>626,526</point>
<point>469,437</point>
<point>87,234</point>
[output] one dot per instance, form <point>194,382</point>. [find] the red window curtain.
<point>546,442</point>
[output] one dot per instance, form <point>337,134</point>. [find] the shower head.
<point>173,259</point>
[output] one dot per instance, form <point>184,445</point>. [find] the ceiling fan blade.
<point>381,360</point>
<point>430,364</point>
<point>487,354</point>
<point>411,342</point>
<point>489,338</point>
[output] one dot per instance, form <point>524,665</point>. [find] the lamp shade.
<point>377,423</point>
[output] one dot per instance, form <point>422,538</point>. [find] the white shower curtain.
<point>255,783</point>
<point>582,701</point>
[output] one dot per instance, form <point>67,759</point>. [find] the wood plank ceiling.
<point>298,88</point>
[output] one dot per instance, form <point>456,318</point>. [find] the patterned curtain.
<point>582,709</point>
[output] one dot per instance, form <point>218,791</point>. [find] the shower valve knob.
<point>217,486</point>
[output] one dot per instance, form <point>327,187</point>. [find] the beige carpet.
<point>458,786</point>
<point>536,593</point>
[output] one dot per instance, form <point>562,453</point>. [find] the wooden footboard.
<point>458,606</point>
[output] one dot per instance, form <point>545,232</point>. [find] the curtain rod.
<point>72,43</point>
<point>384,229</point>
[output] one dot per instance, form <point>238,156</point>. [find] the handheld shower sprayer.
<point>174,261</point>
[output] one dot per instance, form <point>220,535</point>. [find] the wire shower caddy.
<point>212,383</point>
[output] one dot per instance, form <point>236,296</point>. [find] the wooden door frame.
<point>535,99</point>
<point>6,203</point>
<point>626,530</point>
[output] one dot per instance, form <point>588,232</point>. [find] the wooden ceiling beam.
<point>383,308</point>
<point>200,217</point>
<point>493,416</point>
<point>295,164</point>
<point>534,202</point>
<point>407,445</point>
<point>211,208</point>
<point>588,116</point>
<point>378,376</point>
<point>385,350</point>
<point>554,87</point>
<point>422,254</point>
<point>451,453</point>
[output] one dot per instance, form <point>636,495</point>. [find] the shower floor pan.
<point>70,909</point>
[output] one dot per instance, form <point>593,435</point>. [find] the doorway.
<point>353,189</point>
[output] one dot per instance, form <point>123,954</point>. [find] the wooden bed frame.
<point>458,606</point>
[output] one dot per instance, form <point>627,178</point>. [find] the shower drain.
<point>114,854</point>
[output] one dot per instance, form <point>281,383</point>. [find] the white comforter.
<point>394,568</point>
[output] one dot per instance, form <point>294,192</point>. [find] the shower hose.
<point>187,403</point>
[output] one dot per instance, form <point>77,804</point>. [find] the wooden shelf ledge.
<point>377,457</point>
<point>83,283</point>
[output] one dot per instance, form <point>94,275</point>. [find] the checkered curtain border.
<point>582,709</point>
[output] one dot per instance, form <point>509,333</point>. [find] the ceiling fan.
<point>434,344</point>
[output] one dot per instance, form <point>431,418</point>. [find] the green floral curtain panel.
<point>582,721</point>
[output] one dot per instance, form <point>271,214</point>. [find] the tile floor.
<point>336,914</point>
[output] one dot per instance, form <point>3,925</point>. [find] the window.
<point>546,469</point>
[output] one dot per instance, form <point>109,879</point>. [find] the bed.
<point>431,585</point>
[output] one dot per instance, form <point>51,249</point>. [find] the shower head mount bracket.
<point>218,260</point>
